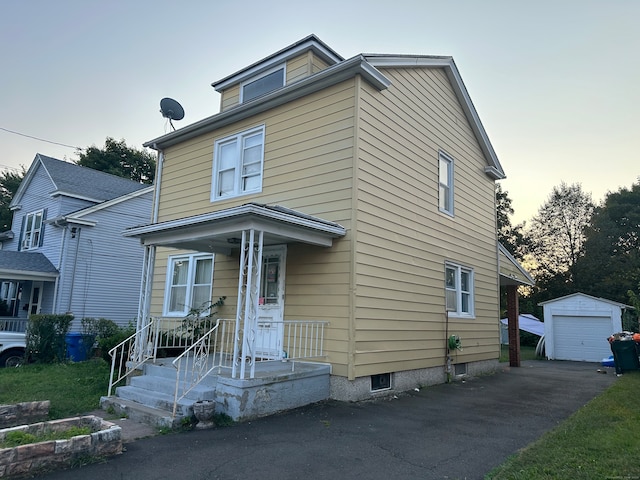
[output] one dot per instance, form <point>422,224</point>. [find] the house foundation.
<point>360,389</point>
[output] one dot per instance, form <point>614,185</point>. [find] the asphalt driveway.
<point>456,431</point>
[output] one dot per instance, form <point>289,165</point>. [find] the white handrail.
<point>129,354</point>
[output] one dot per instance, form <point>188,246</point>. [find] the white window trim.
<point>458,313</point>
<point>168,282</point>
<point>281,66</point>
<point>449,159</point>
<point>238,176</point>
<point>31,245</point>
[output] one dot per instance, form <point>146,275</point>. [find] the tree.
<point>118,159</point>
<point>611,264</point>
<point>9,182</point>
<point>557,236</point>
<point>510,236</point>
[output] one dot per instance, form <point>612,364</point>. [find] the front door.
<point>36,298</point>
<point>271,304</point>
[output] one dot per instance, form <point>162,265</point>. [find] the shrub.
<point>46,337</point>
<point>112,337</point>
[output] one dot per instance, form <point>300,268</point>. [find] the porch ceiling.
<point>221,231</point>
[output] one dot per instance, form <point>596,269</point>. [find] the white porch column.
<point>248,295</point>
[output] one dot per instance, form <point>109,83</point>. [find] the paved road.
<point>455,431</point>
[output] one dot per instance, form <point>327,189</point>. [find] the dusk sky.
<point>556,83</point>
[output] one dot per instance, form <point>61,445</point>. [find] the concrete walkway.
<point>456,431</point>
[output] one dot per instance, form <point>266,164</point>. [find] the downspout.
<point>157,181</point>
<point>75,265</point>
<point>61,258</point>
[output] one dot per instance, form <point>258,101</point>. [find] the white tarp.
<point>527,322</point>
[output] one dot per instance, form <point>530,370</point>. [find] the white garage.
<point>576,327</point>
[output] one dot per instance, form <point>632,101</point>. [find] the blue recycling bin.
<point>78,346</point>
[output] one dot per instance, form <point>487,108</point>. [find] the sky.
<point>555,82</point>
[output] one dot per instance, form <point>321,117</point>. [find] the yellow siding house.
<point>354,193</point>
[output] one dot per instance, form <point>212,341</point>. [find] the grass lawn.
<point>72,388</point>
<point>526,353</point>
<point>599,441</point>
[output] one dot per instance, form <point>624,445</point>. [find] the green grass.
<point>18,437</point>
<point>72,388</point>
<point>526,353</point>
<point>600,441</point>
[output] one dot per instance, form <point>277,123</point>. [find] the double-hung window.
<point>459,290</point>
<point>32,230</point>
<point>445,181</point>
<point>189,282</point>
<point>237,164</point>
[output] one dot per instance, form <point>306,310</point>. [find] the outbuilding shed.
<point>576,327</point>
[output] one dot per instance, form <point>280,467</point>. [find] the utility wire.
<point>40,139</point>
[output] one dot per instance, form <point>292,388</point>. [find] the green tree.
<point>510,236</point>
<point>611,264</point>
<point>9,182</point>
<point>557,237</point>
<point>118,159</point>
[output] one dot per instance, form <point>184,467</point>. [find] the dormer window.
<point>267,82</point>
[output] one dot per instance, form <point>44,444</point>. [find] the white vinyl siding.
<point>32,230</point>
<point>189,281</point>
<point>459,290</point>
<point>237,164</point>
<point>445,180</point>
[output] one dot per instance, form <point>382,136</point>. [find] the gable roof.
<point>510,270</point>
<point>26,265</point>
<point>494,169</point>
<point>78,182</point>
<point>590,297</point>
<point>77,216</point>
<point>338,71</point>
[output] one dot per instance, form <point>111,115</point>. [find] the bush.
<point>46,337</point>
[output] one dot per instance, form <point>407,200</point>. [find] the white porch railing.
<point>213,350</point>
<point>205,344</point>
<point>10,324</point>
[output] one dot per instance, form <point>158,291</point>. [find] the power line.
<point>40,139</point>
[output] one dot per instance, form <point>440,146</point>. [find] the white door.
<point>271,304</point>
<point>36,298</point>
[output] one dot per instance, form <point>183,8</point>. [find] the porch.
<point>161,390</point>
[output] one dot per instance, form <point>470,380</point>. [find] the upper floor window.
<point>189,282</point>
<point>32,232</point>
<point>459,290</point>
<point>237,164</point>
<point>445,180</point>
<point>267,82</point>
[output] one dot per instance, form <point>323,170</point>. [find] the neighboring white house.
<point>65,252</point>
<point>577,327</point>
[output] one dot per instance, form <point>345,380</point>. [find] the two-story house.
<point>65,252</point>
<point>356,195</point>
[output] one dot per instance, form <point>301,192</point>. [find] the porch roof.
<point>26,266</point>
<point>221,231</point>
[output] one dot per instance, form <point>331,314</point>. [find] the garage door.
<point>581,338</point>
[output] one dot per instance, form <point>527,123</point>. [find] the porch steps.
<point>149,397</point>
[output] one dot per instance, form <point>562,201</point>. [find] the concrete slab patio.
<point>456,431</point>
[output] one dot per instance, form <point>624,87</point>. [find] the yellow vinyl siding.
<point>308,167</point>
<point>298,68</point>
<point>403,239</point>
<point>229,97</point>
<point>317,64</point>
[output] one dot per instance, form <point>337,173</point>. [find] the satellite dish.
<point>172,110</point>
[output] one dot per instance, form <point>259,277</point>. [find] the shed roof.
<point>26,265</point>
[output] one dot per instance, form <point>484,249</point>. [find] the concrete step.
<point>164,368</point>
<point>157,400</point>
<point>140,413</point>
<point>167,386</point>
